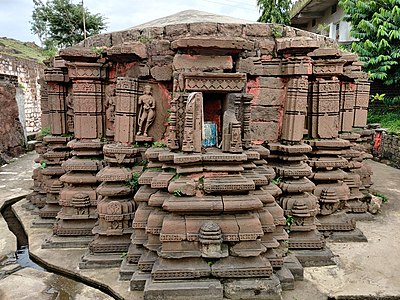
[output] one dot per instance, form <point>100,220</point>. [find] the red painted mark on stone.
<point>253,88</point>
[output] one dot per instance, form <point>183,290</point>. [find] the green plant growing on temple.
<point>159,145</point>
<point>43,165</point>
<point>45,131</point>
<point>69,134</point>
<point>133,183</point>
<point>177,176</point>
<point>178,193</point>
<point>144,39</point>
<point>289,222</point>
<point>384,198</point>
<point>277,31</point>
<point>277,180</point>
<point>200,186</point>
<point>274,11</point>
<point>142,163</point>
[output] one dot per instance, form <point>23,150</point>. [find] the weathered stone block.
<point>152,32</point>
<point>257,30</point>
<point>203,28</point>
<point>163,73</point>
<point>203,289</point>
<point>272,82</point>
<point>159,47</point>
<point>176,30</point>
<point>286,278</point>
<point>202,63</point>
<point>213,42</point>
<point>267,46</point>
<point>265,113</point>
<point>136,48</point>
<point>298,43</point>
<point>230,29</point>
<point>265,131</point>
<point>260,288</point>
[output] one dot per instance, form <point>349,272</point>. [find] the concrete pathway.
<point>15,181</point>
<point>368,270</point>
<point>363,271</point>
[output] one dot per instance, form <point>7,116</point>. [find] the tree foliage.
<point>376,27</point>
<point>274,11</point>
<point>59,23</point>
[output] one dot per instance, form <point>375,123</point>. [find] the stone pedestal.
<point>115,207</point>
<point>297,200</point>
<point>78,198</point>
<point>191,223</point>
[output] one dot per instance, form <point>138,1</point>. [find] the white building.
<point>321,16</point>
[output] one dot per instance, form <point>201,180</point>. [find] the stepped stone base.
<point>257,288</point>
<point>55,242</point>
<point>43,223</point>
<point>355,235</point>
<point>205,289</point>
<point>126,270</point>
<point>286,278</point>
<point>294,266</point>
<point>314,258</point>
<point>138,280</point>
<point>99,261</point>
<point>336,222</point>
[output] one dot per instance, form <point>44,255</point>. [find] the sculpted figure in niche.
<point>110,112</point>
<point>147,111</point>
<point>231,129</point>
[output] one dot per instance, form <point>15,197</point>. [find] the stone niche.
<point>213,112</point>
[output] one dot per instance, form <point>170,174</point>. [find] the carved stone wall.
<point>198,210</point>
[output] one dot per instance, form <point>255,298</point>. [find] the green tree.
<point>274,11</point>
<point>59,23</point>
<point>376,28</point>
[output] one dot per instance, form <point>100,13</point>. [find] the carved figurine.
<point>147,110</point>
<point>110,112</point>
<point>231,131</point>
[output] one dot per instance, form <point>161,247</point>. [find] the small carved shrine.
<point>197,147</point>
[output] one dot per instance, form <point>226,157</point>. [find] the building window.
<point>333,8</point>
<point>314,22</point>
<point>337,35</point>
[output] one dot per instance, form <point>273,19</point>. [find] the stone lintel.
<point>213,42</point>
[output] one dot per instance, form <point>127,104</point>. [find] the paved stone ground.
<point>27,283</point>
<point>363,271</point>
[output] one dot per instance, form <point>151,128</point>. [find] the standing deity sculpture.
<point>147,111</point>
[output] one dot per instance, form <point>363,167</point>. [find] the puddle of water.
<point>60,286</point>
<point>25,261</point>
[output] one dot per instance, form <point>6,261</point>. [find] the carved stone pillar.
<point>115,206</point>
<point>87,99</point>
<point>78,197</point>
<point>125,110</point>
<point>330,109</point>
<point>57,149</point>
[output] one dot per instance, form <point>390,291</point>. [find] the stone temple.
<point>202,148</point>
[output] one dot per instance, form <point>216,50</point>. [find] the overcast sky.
<point>121,14</point>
